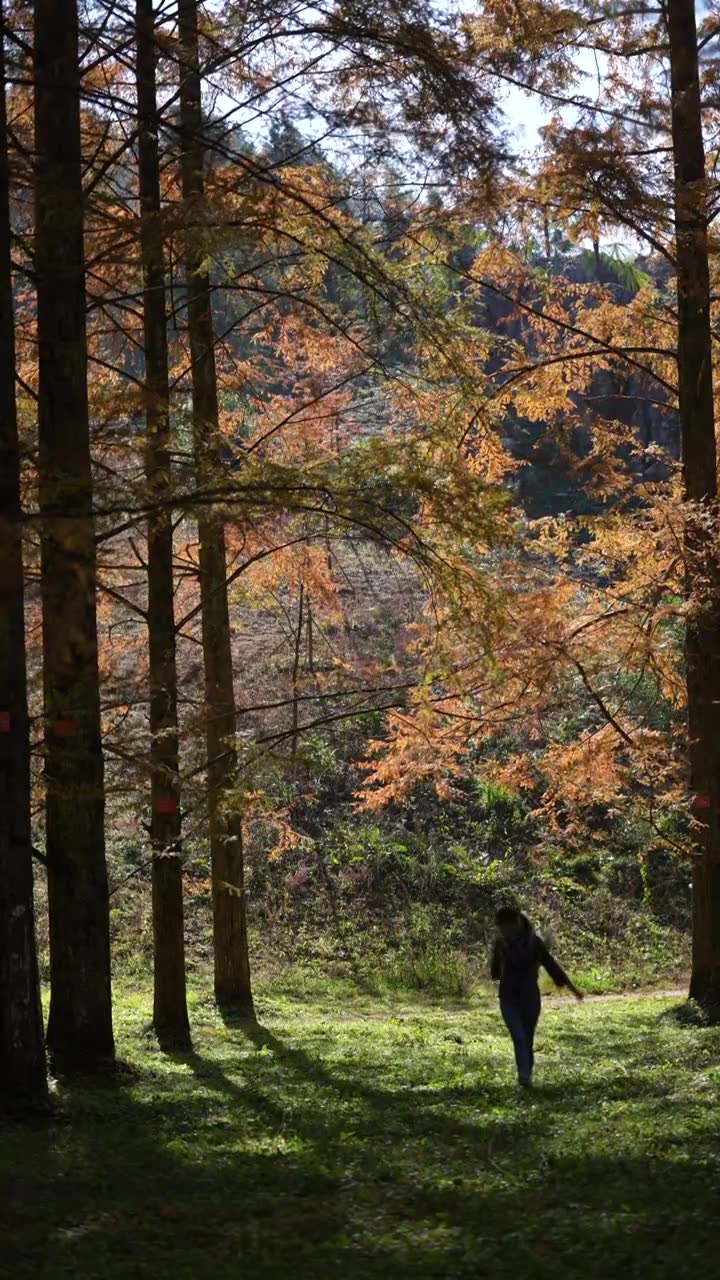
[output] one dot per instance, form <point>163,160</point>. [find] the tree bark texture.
<point>23,1075</point>
<point>232,967</point>
<point>80,1035</point>
<point>699,457</point>
<point>170,1015</point>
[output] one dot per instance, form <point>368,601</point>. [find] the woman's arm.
<point>557,973</point>
<point>496,962</point>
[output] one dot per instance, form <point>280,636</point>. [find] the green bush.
<point>436,971</point>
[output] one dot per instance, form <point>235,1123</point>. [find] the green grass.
<point>356,1137</point>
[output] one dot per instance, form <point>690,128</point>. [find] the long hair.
<point>513,915</point>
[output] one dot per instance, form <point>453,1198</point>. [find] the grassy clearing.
<point>357,1137</point>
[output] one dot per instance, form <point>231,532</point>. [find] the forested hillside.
<point>359,560</point>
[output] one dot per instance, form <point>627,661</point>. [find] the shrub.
<point>436,971</point>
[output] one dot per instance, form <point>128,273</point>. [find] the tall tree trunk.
<point>80,1033</point>
<point>22,1049</point>
<point>232,966</point>
<point>170,1016</point>
<point>697,424</point>
<point>296,678</point>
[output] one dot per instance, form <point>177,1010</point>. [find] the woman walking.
<point>517,956</point>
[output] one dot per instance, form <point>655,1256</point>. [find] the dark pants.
<point>521,1018</point>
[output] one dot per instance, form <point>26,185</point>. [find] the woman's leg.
<point>516,1024</point>
<point>531,1015</point>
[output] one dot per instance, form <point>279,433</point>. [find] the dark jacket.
<point>516,964</point>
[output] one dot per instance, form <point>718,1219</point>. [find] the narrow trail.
<point>653,993</point>
<point>405,1012</point>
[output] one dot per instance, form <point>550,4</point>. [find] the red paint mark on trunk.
<point>166,804</point>
<point>4,721</point>
<point>65,728</point>
<point>702,802</point>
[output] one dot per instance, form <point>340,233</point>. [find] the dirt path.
<point>403,1012</point>
<point>653,993</point>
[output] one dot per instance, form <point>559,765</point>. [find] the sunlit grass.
<point>357,1136</point>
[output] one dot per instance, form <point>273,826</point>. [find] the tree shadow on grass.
<point>626,1086</point>
<point>207,1071</point>
<point>373,1108</point>
<point>590,1216</point>
<point>283,1165</point>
